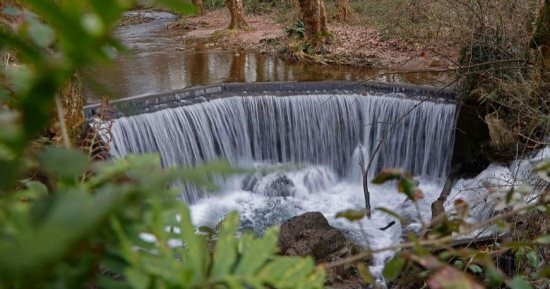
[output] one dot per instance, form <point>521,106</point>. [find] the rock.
<point>310,234</point>
<point>282,187</point>
<point>274,185</point>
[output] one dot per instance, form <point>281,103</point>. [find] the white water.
<point>320,137</point>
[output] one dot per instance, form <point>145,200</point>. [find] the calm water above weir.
<point>161,60</point>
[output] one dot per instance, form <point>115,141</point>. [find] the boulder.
<point>311,235</point>
<point>282,186</point>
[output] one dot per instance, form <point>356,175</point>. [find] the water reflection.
<point>161,60</point>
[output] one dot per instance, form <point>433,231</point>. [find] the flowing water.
<point>311,146</point>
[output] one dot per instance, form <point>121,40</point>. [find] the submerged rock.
<point>282,186</point>
<point>274,185</point>
<point>310,234</point>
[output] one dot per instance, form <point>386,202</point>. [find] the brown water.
<point>161,60</point>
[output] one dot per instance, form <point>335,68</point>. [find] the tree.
<point>237,14</point>
<point>197,4</point>
<point>314,16</point>
<point>541,37</point>
<point>344,11</point>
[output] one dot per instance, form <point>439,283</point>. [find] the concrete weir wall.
<point>155,102</point>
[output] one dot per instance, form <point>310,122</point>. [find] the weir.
<point>325,129</point>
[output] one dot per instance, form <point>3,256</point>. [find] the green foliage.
<point>44,232</point>
<point>234,263</point>
<point>393,268</point>
<point>84,226</point>
<point>296,29</point>
<point>352,215</point>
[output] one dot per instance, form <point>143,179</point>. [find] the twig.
<point>427,242</point>
<point>61,120</point>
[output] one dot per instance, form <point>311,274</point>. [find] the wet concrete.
<point>160,60</point>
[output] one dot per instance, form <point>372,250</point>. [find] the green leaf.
<point>286,272</point>
<point>365,274</point>
<point>258,252</point>
<point>196,248</point>
<point>494,277</point>
<point>226,247</point>
<point>543,170</point>
<point>206,230</point>
<point>93,24</point>
<point>475,269</point>
<point>64,163</point>
<point>532,258</point>
<point>388,175</point>
<point>544,272</point>
<point>41,34</point>
<point>244,242</point>
<point>393,268</point>
<point>519,283</point>
<point>405,182</point>
<point>351,215</point>
<point>544,240</point>
<point>37,187</point>
<point>408,186</point>
<point>137,279</point>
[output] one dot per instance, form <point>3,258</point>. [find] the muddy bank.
<point>356,45</point>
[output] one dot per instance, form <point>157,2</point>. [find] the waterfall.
<point>326,130</point>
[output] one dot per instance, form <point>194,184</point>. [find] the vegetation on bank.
<point>69,222</point>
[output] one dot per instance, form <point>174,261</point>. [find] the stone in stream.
<point>273,185</point>
<point>282,186</point>
<point>310,234</point>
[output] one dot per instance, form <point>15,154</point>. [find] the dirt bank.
<point>353,44</point>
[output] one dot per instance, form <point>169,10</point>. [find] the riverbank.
<point>353,44</point>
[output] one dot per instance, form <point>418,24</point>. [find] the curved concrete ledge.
<point>155,102</point>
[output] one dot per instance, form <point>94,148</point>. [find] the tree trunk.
<point>439,216</point>
<point>324,24</point>
<point>344,11</point>
<point>197,4</point>
<point>237,14</point>
<point>314,16</point>
<point>541,39</point>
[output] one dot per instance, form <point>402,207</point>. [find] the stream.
<point>160,60</point>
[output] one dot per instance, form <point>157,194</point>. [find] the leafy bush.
<point>76,223</point>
